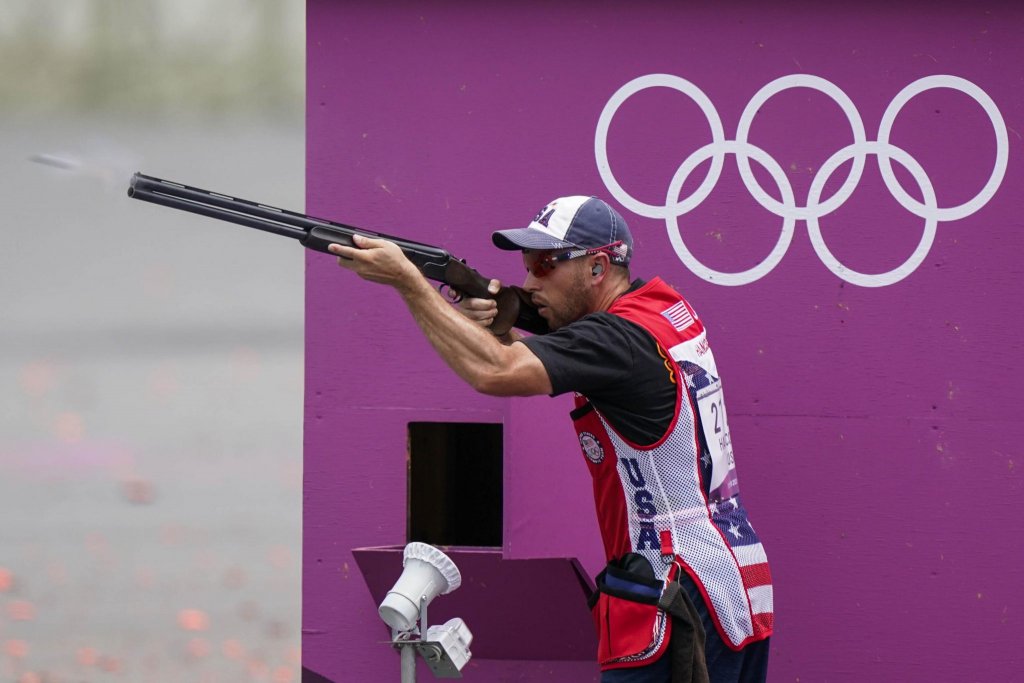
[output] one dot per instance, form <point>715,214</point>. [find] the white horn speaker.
<point>428,573</point>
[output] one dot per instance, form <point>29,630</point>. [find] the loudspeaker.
<point>428,573</point>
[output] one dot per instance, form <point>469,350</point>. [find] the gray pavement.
<point>150,409</point>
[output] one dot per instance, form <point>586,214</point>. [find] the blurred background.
<point>150,360</point>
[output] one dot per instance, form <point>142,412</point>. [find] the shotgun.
<point>515,308</point>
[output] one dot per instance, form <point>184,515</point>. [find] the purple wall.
<point>872,375</point>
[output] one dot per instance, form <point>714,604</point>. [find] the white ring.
<point>788,222</point>
<point>1002,147</point>
<point>856,125</point>
<point>882,149</point>
<point>601,145</point>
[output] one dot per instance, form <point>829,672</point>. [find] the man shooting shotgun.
<point>687,593</point>
<point>513,305</point>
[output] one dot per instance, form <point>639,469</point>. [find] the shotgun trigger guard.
<point>450,293</point>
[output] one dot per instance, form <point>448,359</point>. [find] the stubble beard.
<point>575,305</point>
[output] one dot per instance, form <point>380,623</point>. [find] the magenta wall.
<point>872,373</point>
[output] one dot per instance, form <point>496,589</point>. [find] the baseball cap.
<point>575,222</point>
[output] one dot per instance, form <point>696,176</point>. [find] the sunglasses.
<point>544,265</point>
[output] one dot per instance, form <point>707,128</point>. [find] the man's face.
<point>561,291</point>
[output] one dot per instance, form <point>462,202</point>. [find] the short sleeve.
<point>616,364</point>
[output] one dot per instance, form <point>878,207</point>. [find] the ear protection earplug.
<point>597,270</point>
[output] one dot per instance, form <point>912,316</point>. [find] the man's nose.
<point>531,283</point>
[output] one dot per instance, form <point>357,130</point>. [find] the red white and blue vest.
<point>669,501</point>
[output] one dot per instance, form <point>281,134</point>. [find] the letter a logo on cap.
<point>545,215</point>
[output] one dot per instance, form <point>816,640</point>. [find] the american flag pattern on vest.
<point>677,496</point>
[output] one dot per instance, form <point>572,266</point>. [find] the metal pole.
<point>407,649</point>
<point>408,662</point>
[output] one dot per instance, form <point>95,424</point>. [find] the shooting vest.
<point>676,501</point>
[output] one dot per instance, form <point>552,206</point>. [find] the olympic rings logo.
<point>816,206</point>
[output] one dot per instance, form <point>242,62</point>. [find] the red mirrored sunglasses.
<point>543,266</point>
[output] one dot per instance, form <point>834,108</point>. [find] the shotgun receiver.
<point>514,306</point>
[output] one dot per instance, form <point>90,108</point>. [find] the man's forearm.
<point>471,351</point>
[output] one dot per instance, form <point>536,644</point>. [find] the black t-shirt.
<point>617,365</point>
